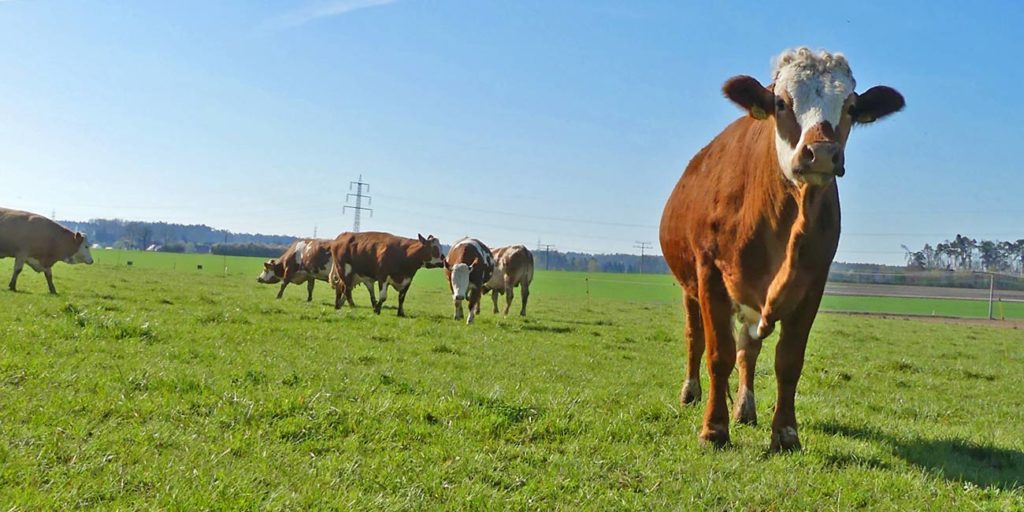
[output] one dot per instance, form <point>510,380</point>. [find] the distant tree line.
<point>249,249</point>
<point>125,234</point>
<point>584,262</point>
<point>968,254</point>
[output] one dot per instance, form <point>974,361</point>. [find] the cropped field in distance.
<point>165,386</point>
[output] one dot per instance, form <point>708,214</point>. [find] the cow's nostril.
<point>807,154</point>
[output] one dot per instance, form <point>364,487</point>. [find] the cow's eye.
<point>780,104</point>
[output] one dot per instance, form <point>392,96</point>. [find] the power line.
<point>358,208</point>
<point>643,246</point>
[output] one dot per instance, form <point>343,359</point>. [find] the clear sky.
<point>513,121</point>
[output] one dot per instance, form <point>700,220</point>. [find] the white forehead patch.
<point>818,84</point>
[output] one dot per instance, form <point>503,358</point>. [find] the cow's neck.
<point>786,287</point>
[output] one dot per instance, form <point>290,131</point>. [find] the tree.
<point>991,256</point>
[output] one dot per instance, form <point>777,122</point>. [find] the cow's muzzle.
<point>820,161</point>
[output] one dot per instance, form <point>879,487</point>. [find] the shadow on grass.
<point>957,460</point>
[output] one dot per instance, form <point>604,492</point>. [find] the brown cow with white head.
<point>469,267</point>
<point>752,227</point>
<point>40,242</point>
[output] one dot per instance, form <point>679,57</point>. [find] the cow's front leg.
<point>284,284</point>
<point>309,290</point>
<point>747,349</point>
<point>19,264</point>
<point>48,272</point>
<point>789,363</point>
<point>716,311</point>
<point>509,295</point>
<point>474,305</point>
<point>494,299</point>
<point>383,296</point>
<point>458,309</point>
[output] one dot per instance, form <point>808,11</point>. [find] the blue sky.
<point>514,121</point>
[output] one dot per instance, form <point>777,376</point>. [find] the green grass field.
<point>165,387</point>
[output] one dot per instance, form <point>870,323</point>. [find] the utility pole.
<point>643,246</point>
<point>314,230</point>
<point>547,254</point>
<point>360,187</point>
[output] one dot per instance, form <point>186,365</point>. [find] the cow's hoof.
<point>785,440</point>
<point>715,437</point>
<point>690,393</point>
<point>745,411</point>
<point>401,313</point>
<point>522,313</point>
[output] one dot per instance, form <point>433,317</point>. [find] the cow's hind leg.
<point>694,351</point>
<point>748,347</point>
<point>789,362</point>
<point>401,300</point>
<point>48,272</point>
<point>509,295</point>
<point>309,290</point>
<point>716,312</point>
<point>494,299</point>
<point>19,263</point>
<point>373,296</point>
<point>525,289</point>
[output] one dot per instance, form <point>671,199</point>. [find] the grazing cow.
<point>469,267</point>
<point>382,258</point>
<point>513,266</point>
<point>305,261</point>
<point>752,227</point>
<point>40,242</point>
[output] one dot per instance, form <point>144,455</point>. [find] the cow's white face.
<point>460,280</point>
<point>813,95</point>
<point>82,255</point>
<point>813,106</point>
<point>270,274</point>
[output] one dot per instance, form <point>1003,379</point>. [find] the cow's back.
<point>512,264</point>
<point>31,235</point>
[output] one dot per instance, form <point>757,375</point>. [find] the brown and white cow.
<point>469,266</point>
<point>383,258</point>
<point>40,242</point>
<point>513,266</point>
<point>305,261</point>
<point>752,227</point>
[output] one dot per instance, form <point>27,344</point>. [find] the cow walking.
<point>305,261</point>
<point>40,242</point>
<point>469,267</point>
<point>752,227</point>
<point>513,266</point>
<point>383,258</point>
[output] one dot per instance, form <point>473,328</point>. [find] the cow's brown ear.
<point>422,240</point>
<point>79,238</point>
<point>876,103</point>
<point>749,94</point>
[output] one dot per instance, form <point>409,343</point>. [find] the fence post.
<point>991,293</point>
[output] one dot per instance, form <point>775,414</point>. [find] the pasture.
<point>162,386</point>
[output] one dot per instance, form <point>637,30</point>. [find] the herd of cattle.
<point>386,260</point>
<point>351,259</point>
<point>749,231</point>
